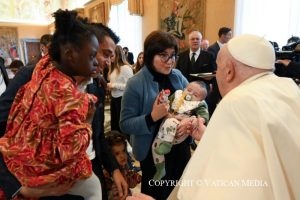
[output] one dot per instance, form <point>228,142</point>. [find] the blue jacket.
<point>137,102</point>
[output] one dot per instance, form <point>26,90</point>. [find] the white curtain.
<point>127,27</point>
<point>276,20</point>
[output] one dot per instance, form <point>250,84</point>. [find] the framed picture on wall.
<point>180,17</point>
<point>95,11</point>
<point>31,49</point>
<point>9,50</point>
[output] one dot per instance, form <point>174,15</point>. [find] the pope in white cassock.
<point>251,146</point>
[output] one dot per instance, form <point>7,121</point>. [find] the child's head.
<point>118,144</point>
<point>74,45</point>
<point>196,91</point>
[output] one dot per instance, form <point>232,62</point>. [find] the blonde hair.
<point>119,61</point>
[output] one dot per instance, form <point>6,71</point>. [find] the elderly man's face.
<point>222,69</point>
<point>195,40</point>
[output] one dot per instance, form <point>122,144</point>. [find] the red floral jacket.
<point>47,135</point>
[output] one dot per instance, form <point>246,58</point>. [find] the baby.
<point>184,105</point>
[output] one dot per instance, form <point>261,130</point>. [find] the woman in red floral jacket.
<point>49,125</point>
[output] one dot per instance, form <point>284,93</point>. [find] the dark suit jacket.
<point>293,70</point>
<point>204,63</point>
<point>4,73</point>
<point>214,97</point>
<point>130,58</point>
<point>214,49</point>
<point>103,153</point>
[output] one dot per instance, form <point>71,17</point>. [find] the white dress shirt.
<point>197,53</point>
<point>2,83</point>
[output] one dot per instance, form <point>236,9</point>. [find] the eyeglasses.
<point>165,57</point>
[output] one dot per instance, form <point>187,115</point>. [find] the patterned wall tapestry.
<point>9,44</point>
<point>180,17</point>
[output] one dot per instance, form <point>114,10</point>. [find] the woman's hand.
<point>159,110</point>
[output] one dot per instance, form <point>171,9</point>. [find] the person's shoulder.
<point>26,69</point>
<point>213,48</point>
<point>213,45</point>
<point>143,76</point>
<point>186,52</point>
<point>59,82</point>
<point>137,78</point>
<point>178,74</point>
<point>207,53</point>
<point>126,67</point>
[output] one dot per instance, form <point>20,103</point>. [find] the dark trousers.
<point>97,169</point>
<point>176,161</point>
<point>115,109</point>
<point>213,98</point>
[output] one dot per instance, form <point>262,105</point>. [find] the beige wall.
<point>218,13</point>
<point>150,20</point>
<point>27,32</point>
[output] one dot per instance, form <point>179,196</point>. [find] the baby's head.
<point>196,91</point>
<point>117,142</point>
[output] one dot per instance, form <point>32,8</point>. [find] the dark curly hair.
<point>101,31</point>
<point>69,29</point>
<point>115,138</point>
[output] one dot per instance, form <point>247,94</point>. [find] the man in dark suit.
<point>225,34</point>
<point>129,55</point>
<point>291,68</point>
<point>3,76</point>
<point>104,156</point>
<point>194,60</point>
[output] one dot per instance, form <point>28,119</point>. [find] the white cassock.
<point>251,147</point>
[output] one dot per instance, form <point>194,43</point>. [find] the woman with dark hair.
<point>142,114</point>
<point>139,63</point>
<point>49,126</point>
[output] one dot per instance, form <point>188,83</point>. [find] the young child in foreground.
<point>118,144</point>
<point>184,105</point>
